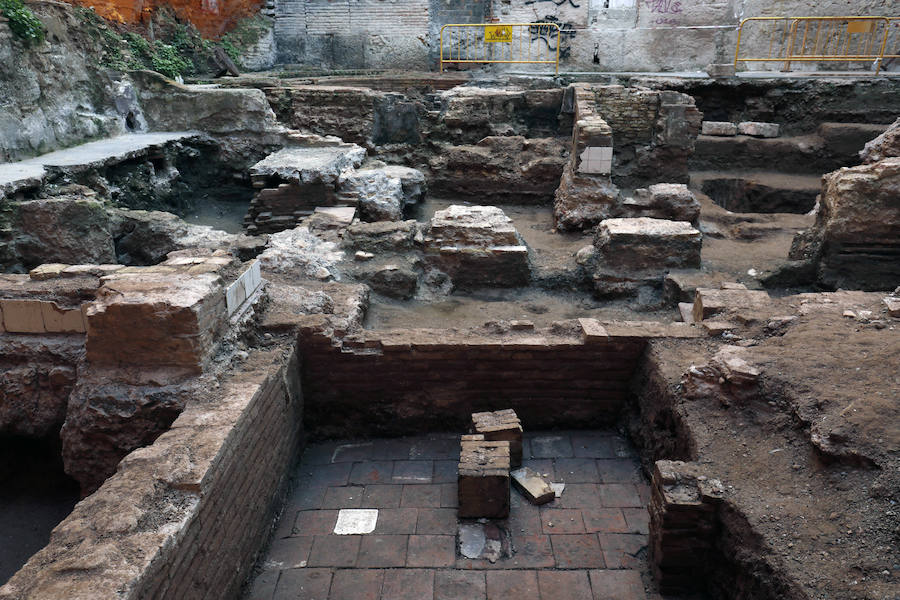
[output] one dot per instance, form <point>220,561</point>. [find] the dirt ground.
<point>811,462</point>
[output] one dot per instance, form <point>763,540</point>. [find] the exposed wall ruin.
<point>390,382</point>
<point>185,516</point>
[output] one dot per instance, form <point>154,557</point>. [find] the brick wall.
<point>186,516</point>
<point>397,381</point>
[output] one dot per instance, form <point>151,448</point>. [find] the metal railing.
<point>818,40</point>
<point>504,43</point>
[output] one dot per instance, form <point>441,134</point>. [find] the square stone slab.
<point>354,521</point>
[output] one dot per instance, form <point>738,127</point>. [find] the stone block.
<point>155,319</point>
<point>718,128</point>
<point>644,243</point>
<point>720,70</point>
<point>672,201</point>
<point>61,320</point>
<point>686,310</point>
<point>342,215</point>
<point>756,129</point>
<point>893,305</point>
<point>501,426</point>
<point>477,246</point>
<point>709,302</point>
<point>479,226</point>
<point>532,486</point>
<point>90,270</point>
<point>47,271</point>
<point>583,199</point>
<point>23,316</point>
<point>592,331</point>
<point>483,479</point>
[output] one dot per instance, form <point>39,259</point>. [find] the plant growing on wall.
<point>22,21</point>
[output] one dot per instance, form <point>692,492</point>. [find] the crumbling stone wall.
<point>186,516</point>
<point>36,378</point>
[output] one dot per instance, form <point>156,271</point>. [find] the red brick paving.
<point>431,551</point>
<point>334,551</point>
<point>382,551</point>
<point>408,584</point>
<point>565,585</point>
<point>596,549</point>
<point>309,584</point>
<point>356,584</point>
<point>577,551</point>
<point>512,585</point>
<point>459,585</point>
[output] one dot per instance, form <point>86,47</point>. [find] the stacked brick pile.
<point>683,522</point>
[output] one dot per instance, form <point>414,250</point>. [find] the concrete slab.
<point>309,164</point>
<point>31,172</point>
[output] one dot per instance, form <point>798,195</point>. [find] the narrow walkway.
<point>588,544</point>
<point>31,172</point>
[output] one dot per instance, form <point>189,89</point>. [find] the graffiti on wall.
<point>665,11</point>
<point>547,36</point>
<point>556,2</point>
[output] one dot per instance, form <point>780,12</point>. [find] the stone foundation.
<point>187,515</point>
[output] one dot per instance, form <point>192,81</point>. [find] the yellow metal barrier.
<point>508,43</point>
<point>818,39</point>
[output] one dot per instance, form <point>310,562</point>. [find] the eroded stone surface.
<point>854,239</point>
<point>309,164</point>
<point>886,145</point>
<point>477,246</point>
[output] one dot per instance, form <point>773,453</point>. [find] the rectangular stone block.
<point>644,243</point>
<point>61,320</point>
<point>47,271</point>
<point>718,128</point>
<point>532,486</point>
<point>22,316</point>
<point>709,302</point>
<point>155,319</point>
<point>501,426</point>
<point>483,480</point>
<point>763,130</point>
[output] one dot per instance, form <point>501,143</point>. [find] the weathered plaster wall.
<point>597,35</point>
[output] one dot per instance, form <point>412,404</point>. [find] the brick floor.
<point>595,549</point>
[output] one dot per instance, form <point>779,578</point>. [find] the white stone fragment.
<point>763,130</point>
<point>356,521</point>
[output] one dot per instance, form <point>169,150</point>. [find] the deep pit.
<point>231,311</point>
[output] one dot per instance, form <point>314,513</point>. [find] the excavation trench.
<point>214,455</point>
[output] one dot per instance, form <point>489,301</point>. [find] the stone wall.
<point>36,378</point>
<point>391,382</point>
<point>52,96</point>
<point>597,35</point>
<point>186,516</point>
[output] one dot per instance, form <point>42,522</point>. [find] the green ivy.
<point>22,21</point>
<point>166,60</point>
<point>179,49</point>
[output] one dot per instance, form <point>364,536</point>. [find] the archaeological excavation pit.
<point>245,322</point>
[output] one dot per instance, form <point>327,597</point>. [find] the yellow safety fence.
<point>818,40</point>
<point>507,43</point>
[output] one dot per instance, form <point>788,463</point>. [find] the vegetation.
<point>177,48</point>
<point>22,21</point>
